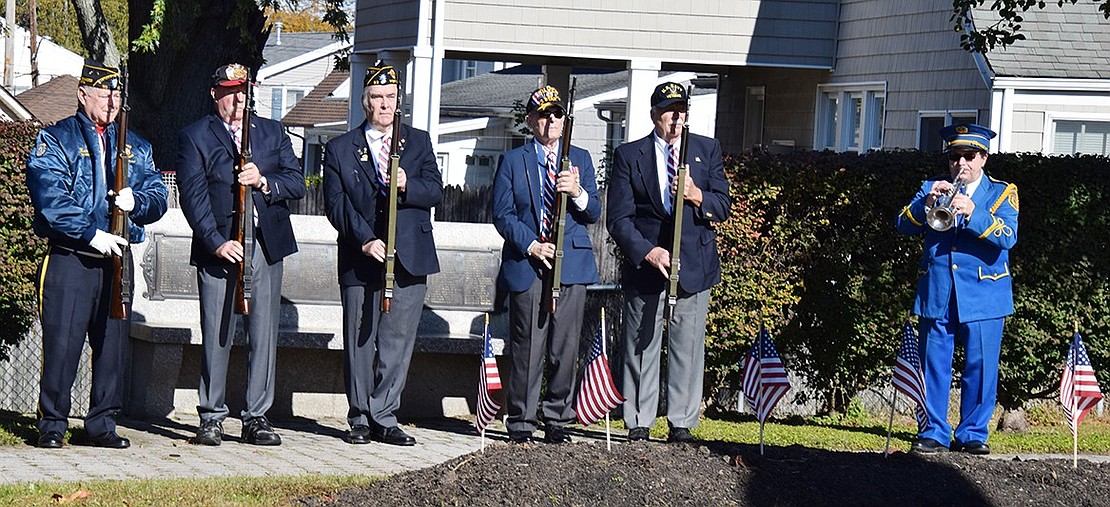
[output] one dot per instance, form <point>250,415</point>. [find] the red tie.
<point>383,164</point>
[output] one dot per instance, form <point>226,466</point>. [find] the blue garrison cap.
<point>967,135</point>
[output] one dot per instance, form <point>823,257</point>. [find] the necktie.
<point>383,164</point>
<point>548,197</point>
<point>672,171</point>
<point>236,136</point>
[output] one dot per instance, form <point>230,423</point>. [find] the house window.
<point>283,99</point>
<point>1081,136</point>
<point>930,123</point>
<point>753,116</point>
<point>850,117</point>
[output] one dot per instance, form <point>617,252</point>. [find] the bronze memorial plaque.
<point>466,280</point>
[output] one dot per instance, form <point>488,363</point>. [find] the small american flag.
<point>764,378</point>
<point>598,394</point>
<point>489,380</point>
<point>908,376</point>
<point>1078,385</point>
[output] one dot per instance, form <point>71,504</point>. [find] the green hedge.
<point>22,250</point>
<point>811,251</point>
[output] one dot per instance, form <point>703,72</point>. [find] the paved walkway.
<point>160,449</point>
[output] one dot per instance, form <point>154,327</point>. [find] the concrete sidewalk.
<point>160,449</point>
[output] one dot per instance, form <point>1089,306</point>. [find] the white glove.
<point>125,200</point>
<point>107,243</point>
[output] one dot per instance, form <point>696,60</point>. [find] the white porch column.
<point>641,83</point>
<point>359,64</point>
<point>422,89</point>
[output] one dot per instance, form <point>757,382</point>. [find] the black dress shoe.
<point>928,446</point>
<point>680,436</point>
<point>394,436</point>
<point>520,437</point>
<point>50,440</point>
<point>209,433</point>
<point>110,440</point>
<point>976,447</point>
<point>258,431</point>
<point>638,434</point>
<point>556,435</point>
<point>359,434</point>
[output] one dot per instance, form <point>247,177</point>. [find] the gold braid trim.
<point>1010,194</point>
<point>909,215</point>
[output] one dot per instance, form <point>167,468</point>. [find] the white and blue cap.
<point>967,135</point>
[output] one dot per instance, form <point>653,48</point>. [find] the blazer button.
<point>953,249</point>
<point>954,266</point>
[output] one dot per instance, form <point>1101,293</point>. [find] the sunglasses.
<point>968,156</point>
<point>556,113</point>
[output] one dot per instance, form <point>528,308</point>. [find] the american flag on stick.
<point>1079,390</point>
<point>909,379</point>
<point>764,377</point>
<point>489,380</point>
<point>598,393</point>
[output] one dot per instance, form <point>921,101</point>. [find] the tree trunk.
<point>170,87</point>
<point>94,32</point>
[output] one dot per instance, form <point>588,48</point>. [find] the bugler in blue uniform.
<point>964,291</point>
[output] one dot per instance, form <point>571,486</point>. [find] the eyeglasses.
<point>956,156</point>
<point>556,113</point>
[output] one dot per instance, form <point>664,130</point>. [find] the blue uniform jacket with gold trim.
<point>70,204</point>
<point>970,261</point>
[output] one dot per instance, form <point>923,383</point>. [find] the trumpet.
<point>941,217</point>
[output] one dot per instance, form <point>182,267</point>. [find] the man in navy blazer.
<point>641,220</point>
<point>378,345</point>
<point>525,187</point>
<point>965,290</point>
<point>207,157</point>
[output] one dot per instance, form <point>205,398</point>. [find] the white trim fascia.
<point>1053,84</point>
<point>455,127</point>
<point>856,86</point>
<point>617,58</point>
<point>297,61</point>
<point>329,124</point>
<point>12,104</point>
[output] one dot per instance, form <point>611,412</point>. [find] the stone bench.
<point>166,340</point>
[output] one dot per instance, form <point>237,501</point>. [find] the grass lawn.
<point>859,432</point>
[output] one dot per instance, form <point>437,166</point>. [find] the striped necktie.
<point>383,164</point>
<point>548,197</point>
<point>236,136</point>
<point>672,171</point>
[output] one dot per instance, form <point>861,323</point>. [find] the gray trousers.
<point>643,341</point>
<point>217,326</point>
<point>378,348</point>
<point>536,337</point>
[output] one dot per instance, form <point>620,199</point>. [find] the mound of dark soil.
<point>727,474</point>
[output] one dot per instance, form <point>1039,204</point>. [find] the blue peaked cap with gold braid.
<point>967,135</point>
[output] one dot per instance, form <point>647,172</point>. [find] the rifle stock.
<point>119,220</point>
<point>678,203</point>
<point>388,275</point>
<point>242,226</point>
<point>552,286</point>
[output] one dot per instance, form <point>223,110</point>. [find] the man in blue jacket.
<point>964,292</point>
<point>207,157</point>
<point>378,345</point>
<point>70,174</point>
<point>640,218</point>
<point>525,189</point>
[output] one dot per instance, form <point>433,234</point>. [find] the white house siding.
<point>786,32</point>
<point>912,48</point>
<point>1033,111</point>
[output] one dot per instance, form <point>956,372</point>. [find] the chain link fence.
<point>19,377</point>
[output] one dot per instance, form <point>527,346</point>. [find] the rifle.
<point>678,203</point>
<point>552,286</point>
<point>388,277</point>
<point>119,220</point>
<point>242,219</point>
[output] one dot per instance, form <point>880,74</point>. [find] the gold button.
<point>954,266</point>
